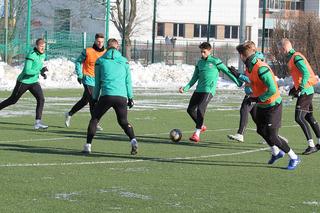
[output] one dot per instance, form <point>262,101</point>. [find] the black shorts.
<point>270,117</point>
<point>304,103</point>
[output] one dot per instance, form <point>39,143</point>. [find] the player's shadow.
<point>121,137</point>
<point>81,134</point>
<point>65,151</point>
<point>21,126</point>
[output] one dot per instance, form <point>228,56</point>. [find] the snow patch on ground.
<point>66,196</point>
<point>124,193</point>
<point>311,203</point>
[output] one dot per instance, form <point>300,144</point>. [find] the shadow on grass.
<point>66,151</point>
<point>81,134</point>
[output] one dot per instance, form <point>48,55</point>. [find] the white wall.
<point>224,12</point>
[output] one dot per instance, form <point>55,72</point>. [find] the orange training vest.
<point>297,75</point>
<point>91,56</point>
<point>257,85</point>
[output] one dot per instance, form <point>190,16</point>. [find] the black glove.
<point>295,92</point>
<point>130,103</point>
<point>42,72</point>
<point>234,71</point>
<point>251,100</point>
<point>79,80</point>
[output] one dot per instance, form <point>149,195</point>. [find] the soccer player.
<point>266,95</point>
<point>245,108</point>
<point>207,74</point>
<point>113,81</point>
<point>28,80</point>
<point>303,78</point>
<point>85,72</point>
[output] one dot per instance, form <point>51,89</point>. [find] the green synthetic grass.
<point>44,171</point>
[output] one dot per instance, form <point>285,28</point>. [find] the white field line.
<point>128,161</point>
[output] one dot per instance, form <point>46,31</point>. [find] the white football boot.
<point>40,125</point>
<point>67,119</point>
<point>237,137</point>
<point>86,148</point>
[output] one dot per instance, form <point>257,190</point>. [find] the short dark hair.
<point>205,45</point>
<point>99,35</point>
<point>40,41</point>
<point>111,43</point>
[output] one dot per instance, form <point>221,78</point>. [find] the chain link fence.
<point>70,45</point>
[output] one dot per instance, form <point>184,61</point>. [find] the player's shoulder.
<point>215,60</point>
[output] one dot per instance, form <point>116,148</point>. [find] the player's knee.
<point>261,131</point>
<point>298,119</point>
<point>12,100</point>
<point>190,110</point>
<point>123,123</point>
<point>311,119</point>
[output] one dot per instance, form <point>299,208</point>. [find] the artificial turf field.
<point>44,171</point>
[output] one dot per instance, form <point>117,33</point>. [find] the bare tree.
<point>133,20</point>
<point>303,32</point>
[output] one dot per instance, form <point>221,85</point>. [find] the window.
<point>283,4</point>
<point>231,32</point>
<point>160,29</point>
<point>204,31</point>
<point>196,30</point>
<point>267,33</point>
<point>62,20</point>
<point>178,30</point>
<point>212,31</point>
<point>201,31</point>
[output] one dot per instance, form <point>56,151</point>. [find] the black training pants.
<point>86,98</point>
<point>119,104</point>
<point>304,116</point>
<point>198,106</point>
<point>244,114</point>
<point>268,124</point>
<point>19,90</point>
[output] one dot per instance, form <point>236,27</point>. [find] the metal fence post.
<point>134,49</point>
<point>147,52</point>
<point>84,40</point>
<point>47,44</point>
<point>187,52</point>
<point>173,54</point>
<point>160,51</point>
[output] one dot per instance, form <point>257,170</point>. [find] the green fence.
<point>70,45</point>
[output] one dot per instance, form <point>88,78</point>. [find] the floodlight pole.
<point>6,11</point>
<point>242,29</point>
<point>209,21</point>
<point>263,23</point>
<point>124,28</point>
<point>154,29</point>
<point>28,26</point>
<point>107,2</point>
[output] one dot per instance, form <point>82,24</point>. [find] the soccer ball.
<point>175,135</point>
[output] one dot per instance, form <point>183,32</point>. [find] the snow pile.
<point>62,75</point>
<point>8,76</point>
<point>161,75</point>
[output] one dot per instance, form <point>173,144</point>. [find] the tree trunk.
<point>128,48</point>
